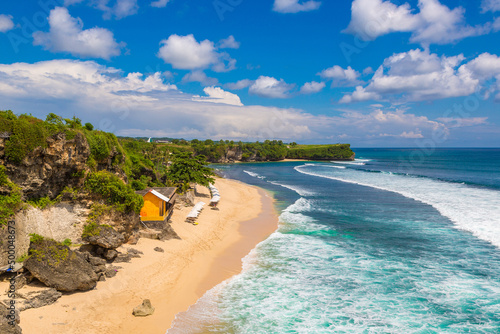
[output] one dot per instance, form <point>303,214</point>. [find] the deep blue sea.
<point>398,241</point>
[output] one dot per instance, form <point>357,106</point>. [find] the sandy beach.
<point>207,254</point>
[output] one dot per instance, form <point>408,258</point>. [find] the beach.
<point>206,255</point>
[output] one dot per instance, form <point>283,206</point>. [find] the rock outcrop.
<point>7,324</point>
<point>57,266</point>
<point>105,236</point>
<point>47,171</point>
<point>144,309</point>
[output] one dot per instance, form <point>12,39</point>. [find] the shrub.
<point>67,242</point>
<point>36,238</point>
<point>114,191</point>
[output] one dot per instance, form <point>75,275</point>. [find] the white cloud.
<point>229,43</point>
<point>120,9</point>
<point>184,52</point>
<point>218,95</point>
<point>71,2</point>
<point>66,34</point>
<point>341,77</point>
<point>295,6</point>
<point>456,122</point>
<point>490,5</point>
<point>417,75</point>
<point>239,84</point>
<point>312,87</point>
<point>159,3</point>
<point>137,105</point>
<point>201,77</point>
<point>485,66</point>
<point>6,23</point>
<point>435,23</point>
<point>360,95</point>
<point>373,18</point>
<point>270,87</point>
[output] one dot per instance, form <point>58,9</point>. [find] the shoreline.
<point>208,254</point>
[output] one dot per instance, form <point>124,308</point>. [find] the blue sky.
<point>372,73</point>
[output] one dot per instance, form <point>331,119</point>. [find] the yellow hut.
<point>158,203</point>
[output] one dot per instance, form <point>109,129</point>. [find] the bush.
<point>67,242</point>
<point>89,126</point>
<point>114,191</point>
<point>42,202</point>
<point>10,202</point>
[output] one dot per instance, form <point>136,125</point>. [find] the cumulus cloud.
<point>159,3</point>
<point>270,87</point>
<point>218,95</point>
<point>66,34</point>
<point>490,5</point>
<point>312,87</point>
<point>119,10</point>
<point>229,43</point>
<point>418,75</point>
<point>137,105</point>
<point>6,23</point>
<point>485,66</point>
<point>295,6</point>
<point>201,77</point>
<point>184,52</point>
<point>341,77</point>
<point>435,23</point>
<point>241,84</point>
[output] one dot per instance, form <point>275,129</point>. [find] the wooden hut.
<point>158,203</point>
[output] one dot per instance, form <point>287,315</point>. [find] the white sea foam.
<point>331,166</point>
<point>472,209</point>
<point>298,190</point>
<point>349,163</point>
<point>254,174</point>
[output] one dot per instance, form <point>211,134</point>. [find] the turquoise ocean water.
<point>398,241</point>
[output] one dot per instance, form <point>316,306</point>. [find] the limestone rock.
<point>110,254</point>
<point>144,309</point>
<point>106,237</point>
<point>57,266</point>
<point>159,249</point>
<point>36,299</point>
<point>168,233</point>
<point>7,324</point>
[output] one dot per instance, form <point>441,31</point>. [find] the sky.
<point>371,73</point>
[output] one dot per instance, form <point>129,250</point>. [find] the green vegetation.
<point>10,201</point>
<point>36,238</point>
<point>269,150</point>
<point>320,152</point>
<point>185,170</point>
<point>114,191</point>
<point>67,242</point>
<point>22,258</point>
<point>42,203</point>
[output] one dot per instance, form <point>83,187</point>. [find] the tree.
<point>186,169</point>
<point>89,126</point>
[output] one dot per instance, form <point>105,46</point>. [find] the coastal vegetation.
<point>114,168</point>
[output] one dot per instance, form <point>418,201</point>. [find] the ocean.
<point>397,241</point>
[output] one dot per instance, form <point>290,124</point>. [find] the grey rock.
<point>9,322</point>
<point>144,309</point>
<point>168,233</point>
<point>36,299</point>
<point>106,237</point>
<point>57,266</point>
<point>110,254</point>
<point>159,249</point>
<point>111,272</point>
<point>122,258</point>
<point>134,252</point>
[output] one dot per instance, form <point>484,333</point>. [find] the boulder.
<point>104,236</point>
<point>57,266</point>
<point>9,322</point>
<point>159,249</point>
<point>168,233</point>
<point>110,254</point>
<point>144,309</point>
